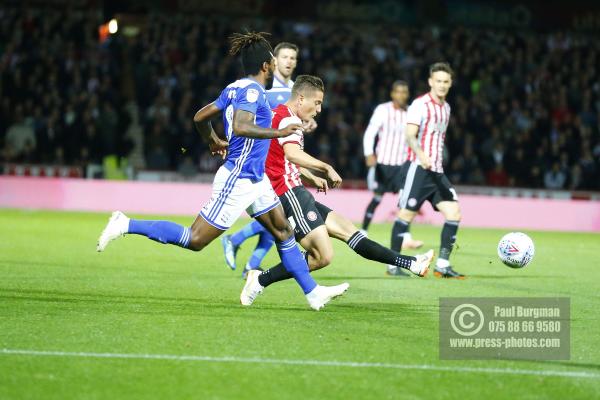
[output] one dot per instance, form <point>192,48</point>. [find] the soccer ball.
<point>516,249</point>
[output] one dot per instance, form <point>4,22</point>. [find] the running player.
<point>427,120</point>
<point>286,58</point>
<point>240,184</point>
<point>313,222</point>
<point>387,126</point>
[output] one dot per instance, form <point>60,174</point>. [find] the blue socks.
<point>253,228</point>
<point>161,231</point>
<point>294,262</point>
<point>172,233</point>
<point>265,242</point>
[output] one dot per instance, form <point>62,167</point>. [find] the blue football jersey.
<point>245,156</point>
<point>279,93</point>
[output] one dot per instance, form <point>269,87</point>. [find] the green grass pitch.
<point>142,299</point>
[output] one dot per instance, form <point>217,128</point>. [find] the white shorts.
<point>232,195</point>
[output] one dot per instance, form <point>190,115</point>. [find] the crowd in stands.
<point>525,105</point>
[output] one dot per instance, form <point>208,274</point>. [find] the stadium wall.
<point>187,199</point>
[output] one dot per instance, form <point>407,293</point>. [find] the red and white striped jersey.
<point>388,125</point>
<point>283,174</point>
<point>432,118</point>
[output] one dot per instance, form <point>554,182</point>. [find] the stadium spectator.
<point>20,138</point>
<point>515,101</point>
<point>555,178</point>
<point>497,176</point>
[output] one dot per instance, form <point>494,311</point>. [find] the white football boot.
<point>321,295</point>
<point>252,288</point>
<point>118,225</point>
<point>421,266</point>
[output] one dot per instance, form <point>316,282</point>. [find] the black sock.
<point>276,273</point>
<point>398,231</point>
<point>448,238</point>
<point>370,211</point>
<point>371,250</point>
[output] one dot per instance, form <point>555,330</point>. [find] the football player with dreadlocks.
<point>240,183</point>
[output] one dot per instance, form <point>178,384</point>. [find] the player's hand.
<point>218,146</point>
<point>335,180</point>
<point>310,125</point>
<point>371,160</point>
<point>425,161</point>
<point>321,184</point>
<point>289,130</point>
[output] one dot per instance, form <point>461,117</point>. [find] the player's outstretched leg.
<point>265,242</point>
<point>318,255</point>
<point>341,228</point>
<point>451,212</point>
<point>232,243</point>
<point>293,261</point>
<point>257,281</point>
<point>194,238</point>
<point>161,231</point>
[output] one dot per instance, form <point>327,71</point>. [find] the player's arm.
<point>243,125</point>
<point>412,130</point>
<point>204,127</point>
<point>369,139</point>
<point>318,182</point>
<point>296,155</point>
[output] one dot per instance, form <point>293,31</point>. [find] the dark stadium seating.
<point>525,106</point>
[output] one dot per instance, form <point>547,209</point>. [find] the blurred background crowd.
<point>525,105</point>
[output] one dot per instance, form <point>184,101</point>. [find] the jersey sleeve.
<point>372,130</point>
<point>297,137</point>
<point>248,98</point>
<point>221,101</point>
<point>416,113</point>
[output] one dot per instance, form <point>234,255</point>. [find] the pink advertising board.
<point>188,198</point>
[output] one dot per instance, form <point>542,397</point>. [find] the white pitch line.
<point>320,363</point>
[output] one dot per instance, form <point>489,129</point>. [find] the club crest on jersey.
<point>252,95</point>
<point>312,216</point>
